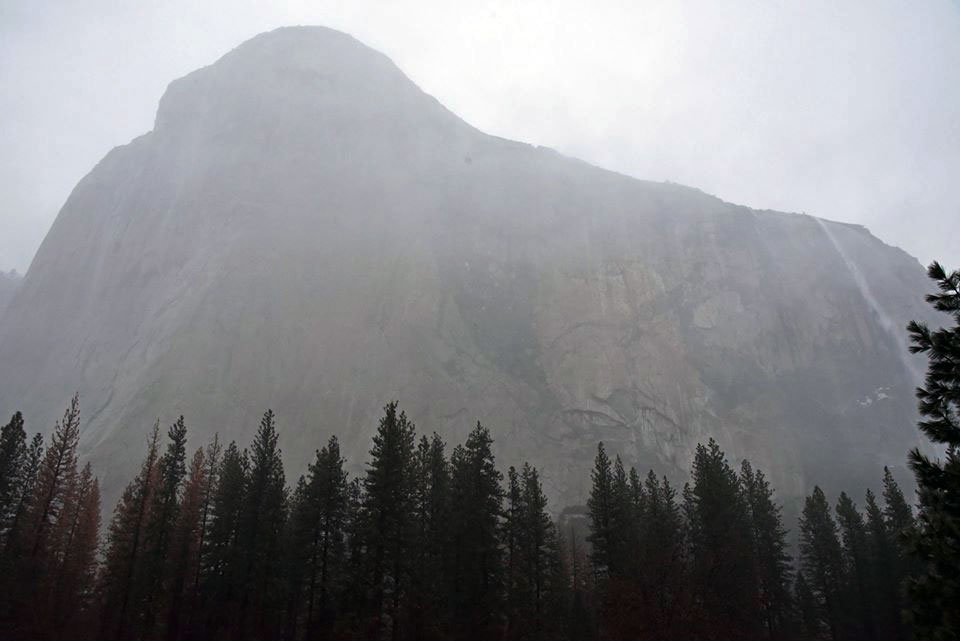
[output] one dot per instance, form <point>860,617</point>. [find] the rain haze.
<point>489,321</point>
<point>847,111</point>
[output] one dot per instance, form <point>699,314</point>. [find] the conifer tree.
<point>431,542</point>
<point>859,597</point>
<point>37,556</point>
<point>121,573</point>
<point>159,530</point>
<point>771,560</point>
<point>809,618</point>
<point>636,496</point>
<point>223,561</point>
<point>623,522</point>
<point>580,622</point>
<point>317,532</point>
<point>18,469</point>
<point>56,475</point>
<point>661,557</point>
<point>896,511</point>
<point>512,537</point>
<point>13,463</point>
<point>70,614</point>
<point>476,510</point>
<point>13,540</point>
<point>821,561</point>
<point>388,507</point>
<point>621,591</point>
<point>185,544</point>
<point>540,574</point>
<point>356,575</point>
<point>262,520</point>
<point>211,477</point>
<point>601,508</point>
<point>935,592</point>
<point>295,538</point>
<point>720,547</point>
<point>888,580</point>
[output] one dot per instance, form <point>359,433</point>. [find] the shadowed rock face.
<point>304,229</point>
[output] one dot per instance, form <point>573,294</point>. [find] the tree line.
<point>426,545</point>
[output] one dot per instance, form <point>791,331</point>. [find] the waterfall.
<point>886,322</point>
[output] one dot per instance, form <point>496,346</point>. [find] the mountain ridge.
<point>307,230</point>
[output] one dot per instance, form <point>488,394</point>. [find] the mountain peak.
<point>293,74</point>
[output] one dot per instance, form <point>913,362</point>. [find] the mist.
<point>527,321</point>
<point>851,113</point>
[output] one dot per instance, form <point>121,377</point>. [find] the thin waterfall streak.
<point>864,288</point>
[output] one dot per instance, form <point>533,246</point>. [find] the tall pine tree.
<point>428,612</point>
<point>821,562</point>
<point>317,532</point>
<point>121,574</point>
<point>262,519</point>
<point>771,559</point>
<point>476,510</point>
<point>13,464</point>
<point>159,531</point>
<point>724,582</point>
<point>222,564</point>
<point>601,506</point>
<point>936,591</point>
<point>858,594</point>
<point>389,511</point>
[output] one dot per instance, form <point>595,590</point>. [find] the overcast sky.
<point>846,110</point>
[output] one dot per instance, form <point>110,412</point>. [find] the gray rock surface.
<point>9,284</point>
<point>304,229</point>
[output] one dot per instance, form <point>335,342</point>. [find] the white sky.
<point>848,110</point>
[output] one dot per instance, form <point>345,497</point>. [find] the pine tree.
<point>897,512</point>
<point>388,506</point>
<point>223,561</point>
<point>771,560</point>
<point>581,625</point>
<point>37,556</point>
<point>211,478</point>
<point>720,547</point>
<point>661,556</point>
<point>821,561</point>
<point>476,510</point>
<point>428,616</point>
<point>159,530</point>
<point>858,597</point>
<point>13,542</point>
<point>624,537</point>
<point>512,537</point>
<point>71,613</point>
<point>185,544</point>
<point>621,592</point>
<point>317,532</point>
<point>262,520</point>
<point>57,472</point>
<point>601,508</point>
<point>356,575</point>
<point>808,611</point>
<point>935,592</point>
<point>888,581</point>
<point>13,462</point>
<point>121,574</point>
<point>540,575</point>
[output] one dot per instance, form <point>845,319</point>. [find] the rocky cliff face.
<point>9,284</point>
<point>304,229</point>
